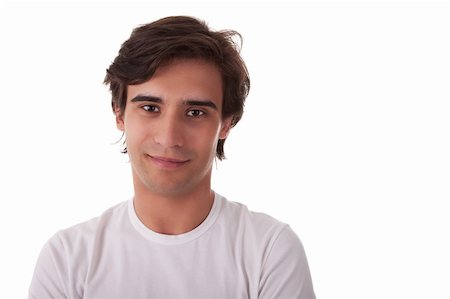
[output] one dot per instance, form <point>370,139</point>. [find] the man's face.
<point>172,124</point>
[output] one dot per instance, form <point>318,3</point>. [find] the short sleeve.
<point>285,272</point>
<point>49,273</point>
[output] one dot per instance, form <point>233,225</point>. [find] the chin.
<point>170,189</point>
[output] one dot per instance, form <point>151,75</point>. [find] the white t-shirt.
<point>234,253</point>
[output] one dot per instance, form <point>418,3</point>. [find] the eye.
<point>150,108</point>
<point>195,113</point>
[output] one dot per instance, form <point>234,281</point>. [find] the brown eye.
<point>150,108</point>
<point>195,113</point>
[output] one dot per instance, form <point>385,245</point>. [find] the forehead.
<point>181,79</point>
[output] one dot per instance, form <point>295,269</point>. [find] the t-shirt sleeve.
<point>285,272</point>
<point>50,272</point>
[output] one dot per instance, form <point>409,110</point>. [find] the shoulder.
<point>63,261</point>
<point>285,264</point>
<point>80,235</point>
<point>241,214</point>
<point>277,250</point>
<point>273,248</point>
<point>258,228</point>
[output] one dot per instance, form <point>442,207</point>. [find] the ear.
<point>119,119</point>
<point>226,127</point>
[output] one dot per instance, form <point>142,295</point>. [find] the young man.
<point>177,89</point>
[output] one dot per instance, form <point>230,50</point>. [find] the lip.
<point>167,162</point>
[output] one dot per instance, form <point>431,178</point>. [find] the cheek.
<point>209,141</point>
<point>200,135</point>
<point>134,132</point>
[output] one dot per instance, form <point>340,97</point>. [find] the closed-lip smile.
<point>167,162</point>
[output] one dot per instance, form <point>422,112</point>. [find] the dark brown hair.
<point>152,45</point>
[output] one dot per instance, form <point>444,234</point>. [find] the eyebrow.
<point>143,98</point>
<point>187,102</point>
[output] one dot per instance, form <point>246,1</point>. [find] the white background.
<point>345,135</point>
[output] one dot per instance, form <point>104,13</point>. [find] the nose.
<point>169,132</point>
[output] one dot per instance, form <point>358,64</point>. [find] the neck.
<point>173,215</point>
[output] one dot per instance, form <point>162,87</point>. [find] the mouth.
<point>167,162</point>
